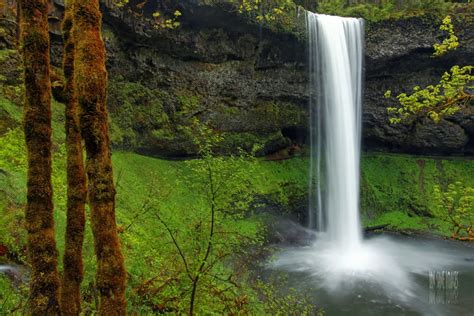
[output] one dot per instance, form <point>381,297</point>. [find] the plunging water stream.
<point>335,54</point>
<point>347,273</point>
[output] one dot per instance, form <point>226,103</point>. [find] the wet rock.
<point>286,232</point>
<point>253,80</point>
<point>16,274</point>
<point>245,85</point>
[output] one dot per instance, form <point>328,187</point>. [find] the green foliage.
<point>12,110</point>
<point>12,191</point>
<point>12,145</point>
<point>369,12</point>
<point>450,95</point>
<point>13,301</point>
<point>214,233</point>
<point>5,54</point>
<point>158,19</point>
<point>166,23</point>
<point>398,190</point>
<point>277,15</point>
<point>266,11</point>
<point>435,101</point>
<point>456,207</point>
<point>376,11</point>
<point>451,42</point>
<point>137,109</point>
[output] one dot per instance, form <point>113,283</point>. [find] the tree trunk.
<point>42,252</point>
<point>90,77</point>
<point>76,184</point>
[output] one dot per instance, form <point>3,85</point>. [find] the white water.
<point>336,58</point>
<point>7,268</point>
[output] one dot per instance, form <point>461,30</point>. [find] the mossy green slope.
<point>398,190</point>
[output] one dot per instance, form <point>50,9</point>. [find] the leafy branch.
<point>449,43</point>
<point>456,207</point>
<point>435,101</point>
<point>450,95</point>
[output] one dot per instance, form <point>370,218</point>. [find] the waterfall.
<point>378,274</point>
<point>335,72</point>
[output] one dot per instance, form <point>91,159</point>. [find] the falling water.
<point>336,64</point>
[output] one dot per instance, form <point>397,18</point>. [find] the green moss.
<point>5,54</point>
<point>246,140</point>
<point>136,112</point>
<point>10,115</point>
<point>12,300</point>
<point>402,221</point>
<point>276,114</point>
<point>403,186</point>
<point>395,182</point>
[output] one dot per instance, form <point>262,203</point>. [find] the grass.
<point>146,245</point>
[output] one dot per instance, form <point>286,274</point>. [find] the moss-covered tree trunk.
<point>42,252</point>
<point>90,78</point>
<point>76,184</point>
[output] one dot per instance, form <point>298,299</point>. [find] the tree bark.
<point>90,77</point>
<point>76,184</point>
<point>42,252</point>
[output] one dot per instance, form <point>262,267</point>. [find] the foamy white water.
<point>336,64</point>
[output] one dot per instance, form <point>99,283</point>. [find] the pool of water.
<point>388,275</point>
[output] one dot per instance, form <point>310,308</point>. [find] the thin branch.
<point>211,234</point>
<point>176,244</point>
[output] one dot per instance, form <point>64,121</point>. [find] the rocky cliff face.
<point>250,82</point>
<point>398,58</point>
<point>246,81</point>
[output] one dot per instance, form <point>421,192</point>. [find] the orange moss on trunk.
<point>90,78</point>
<point>76,184</point>
<point>42,252</point>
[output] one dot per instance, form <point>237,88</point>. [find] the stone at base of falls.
<point>16,274</point>
<point>286,232</point>
<point>375,228</point>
